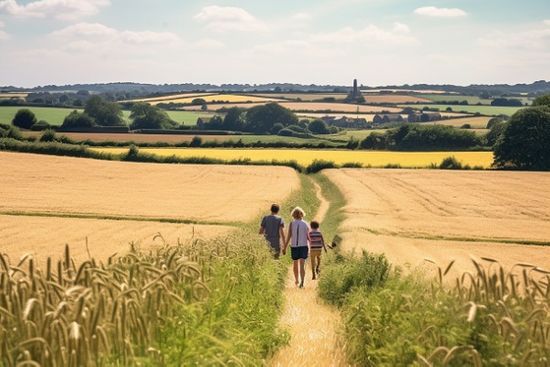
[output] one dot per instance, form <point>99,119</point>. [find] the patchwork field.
<point>55,116</point>
<point>476,122</point>
<point>49,201</point>
<point>13,95</point>
<point>444,215</point>
<point>307,156</point>
<point>372,98</point>
<point>307,106</point>
<point>220,98</point>
<point>472,100</point>
<point>161,99</point>
<point>484,110</point>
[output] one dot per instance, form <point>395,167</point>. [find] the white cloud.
<point>547,22</point>
<point>300,17</point>
<point>398,35</point>
<point>432,11</point>
<point>229,18</point>
<point>60,9</point>
<point>208,44</point>
<point>98,32</point>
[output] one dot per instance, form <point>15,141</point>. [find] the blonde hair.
<point>298,213</point>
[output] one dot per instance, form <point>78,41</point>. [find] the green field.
<point>472,100</point>
<point>484,110</point>
<point>55,115</point>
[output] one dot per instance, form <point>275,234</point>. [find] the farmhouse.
<point>387,118</point>
<point>424,117</point>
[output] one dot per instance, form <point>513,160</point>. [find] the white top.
<point>300,229</point>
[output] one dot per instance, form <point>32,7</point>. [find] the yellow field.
<point>477,122</point>
<point>13,95</point>
<point>163,99</point>
<point>411,215</point>
<point>305,157</point>
<point>49,201</point>
<point>307,106</point>
<point>21,235</point>
<point>227,98</point>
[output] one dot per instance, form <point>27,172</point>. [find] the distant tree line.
<point>270,118</point>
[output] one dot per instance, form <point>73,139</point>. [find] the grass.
<point>484,110</point>
<point>306,157</point>
<point>55,115</point>
<point>472,100</point>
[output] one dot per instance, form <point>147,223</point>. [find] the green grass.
<point>55,115</point>
<point>472,100</point>
<point>484,110</point>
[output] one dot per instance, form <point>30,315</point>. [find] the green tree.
<point>103,112</point>
<point>145,116</point>
<point>542,101</point>
<point>198,102</point>
<point>495,132</point>
<point>524,143</point>
<point>77,120</point>
<point>261,119</point>
<point>318,127</point>
<point>24,119</point>
<point>234,119</point>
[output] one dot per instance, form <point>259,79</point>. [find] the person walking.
<point>298,238</point>
<point>272,227</point>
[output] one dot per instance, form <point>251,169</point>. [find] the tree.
<point>145,116</point>
<point>495,132</point>
<point>524,143</point>
<point>77,120</point>
<point>542,101</point>
<point>318,127</point>
<point>198,102</point>
<point>105,113</point>
<point>24,119</point>
<point>506,102</point>
<point>261,119</point>
<point>234,120</point>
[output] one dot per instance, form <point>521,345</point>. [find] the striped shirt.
<point>316,240</point>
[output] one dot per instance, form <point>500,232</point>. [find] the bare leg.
<point>302,271</point>
<point>295,268</point>
<point>313,265</point>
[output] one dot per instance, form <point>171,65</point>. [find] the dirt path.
<point>312,324</point>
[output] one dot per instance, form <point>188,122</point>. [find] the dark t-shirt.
<point>271,225</point>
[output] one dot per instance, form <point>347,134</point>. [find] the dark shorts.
<point>299,252</point>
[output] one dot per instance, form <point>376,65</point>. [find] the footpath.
<point>312,324</point>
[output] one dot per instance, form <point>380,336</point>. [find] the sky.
<point>379,42</point>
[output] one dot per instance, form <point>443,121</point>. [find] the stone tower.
<point>355,92</point>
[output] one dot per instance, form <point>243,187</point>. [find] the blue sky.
<point>379,42</point>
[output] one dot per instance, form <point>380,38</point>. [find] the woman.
<point>298,239</point>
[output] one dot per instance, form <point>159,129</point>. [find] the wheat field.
<point>443,215</point>
<point>49,184</point>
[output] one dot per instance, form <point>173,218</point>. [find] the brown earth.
<point>411,215</point>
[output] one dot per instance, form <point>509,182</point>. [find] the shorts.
<point>300,252</point>
<point>275,248</point>
<point>316,252</point>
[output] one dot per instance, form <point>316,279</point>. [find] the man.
<point>272,228</point>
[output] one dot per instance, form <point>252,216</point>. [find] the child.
<point>316,245</point>
<point>298,238</point>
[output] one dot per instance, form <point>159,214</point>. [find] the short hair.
<point>314,225</point>
<point>298,213</point>
<point>275,208</point>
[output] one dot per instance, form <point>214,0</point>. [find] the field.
<point>445,215</point>
<point>472,100</point>
<point>307,156</point>
<point>308,106</point>
<point>372,98</point>
<point>55,116</point>
<point>13,95</point>
<point>218,98</point>
<point>21,235</point>
<point>49,201</point>
<point>484,110</point>
<point>160,99</point>
<point>477,122</point>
